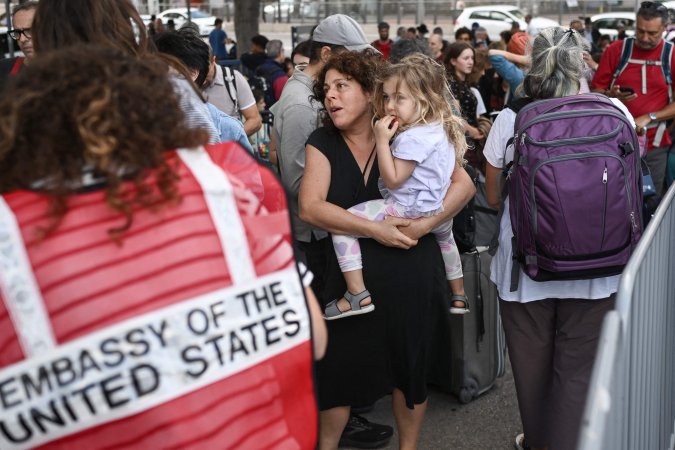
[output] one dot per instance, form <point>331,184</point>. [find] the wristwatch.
<point>652,116</point>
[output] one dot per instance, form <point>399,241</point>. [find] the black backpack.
<point>464,223</point>
<point>261,84</point>
<point>263,79</point>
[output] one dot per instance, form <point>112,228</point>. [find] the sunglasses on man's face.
<point>17,32</point>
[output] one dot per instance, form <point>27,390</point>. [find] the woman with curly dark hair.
<point>125,268</point>
<point>372,354</point>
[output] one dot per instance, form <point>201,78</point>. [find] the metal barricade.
<point>631,399</point>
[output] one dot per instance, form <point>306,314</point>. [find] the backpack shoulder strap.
<point>231,85</point>
<point>519,103</point>
<point>666,58</point>
<point>515,106</point>
<point>626,51</point>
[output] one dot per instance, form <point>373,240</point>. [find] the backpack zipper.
<point>570,114</point>
<point>616,112</point>
<point>572,141</point>
<point>573,99</point>
<point>604,207</point>
<point>572,157</point>
<point>520,132</point>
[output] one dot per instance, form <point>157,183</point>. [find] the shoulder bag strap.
<point>231,85</point>
<point>626,51</point>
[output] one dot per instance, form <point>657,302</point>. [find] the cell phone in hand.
<point>627,90</point>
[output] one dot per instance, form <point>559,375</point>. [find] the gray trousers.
<point>552,346</point>
<point>656,160</point>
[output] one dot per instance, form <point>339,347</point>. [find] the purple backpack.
<point>575,190</point>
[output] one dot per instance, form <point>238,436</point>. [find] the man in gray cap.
<point>295,118</point>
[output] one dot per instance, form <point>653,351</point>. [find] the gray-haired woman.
<point>552,327</point>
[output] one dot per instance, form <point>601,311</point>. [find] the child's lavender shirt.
<point>429,147</point>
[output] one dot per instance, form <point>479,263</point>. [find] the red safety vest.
<point>193,332</point>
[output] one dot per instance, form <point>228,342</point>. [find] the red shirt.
<point>169,259</point>
<point>18,65</point>
<point>657,90</point>
<point>383,47</point>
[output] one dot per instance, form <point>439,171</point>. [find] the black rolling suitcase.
<point>476,354</point>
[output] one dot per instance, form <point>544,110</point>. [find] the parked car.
<point>497,18</point>
<point>670,31</point>
<point>179,15</point>
<point>609,23</point>
<point>671,9</point>
<point>287,8</point>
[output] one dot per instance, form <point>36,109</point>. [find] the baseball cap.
<point>340,29</point>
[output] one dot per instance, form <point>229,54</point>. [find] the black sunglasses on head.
<point>17,32</point>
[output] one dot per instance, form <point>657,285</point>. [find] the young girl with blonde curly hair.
<point>413,106</point>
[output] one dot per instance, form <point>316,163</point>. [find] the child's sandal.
<point>459,309</point>
<point>332,311</point>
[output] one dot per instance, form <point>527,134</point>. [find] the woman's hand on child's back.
<point>385,128</point>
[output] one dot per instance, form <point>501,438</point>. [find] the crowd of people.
<point>140,183</point>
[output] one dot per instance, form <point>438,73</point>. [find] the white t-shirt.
<point>429,147</point>
<point>480,105</point>
<point>498,155</point>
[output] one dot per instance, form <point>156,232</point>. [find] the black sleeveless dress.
<point>370,354</point>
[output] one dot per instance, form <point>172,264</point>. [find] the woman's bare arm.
<point>319,331</point>
<point>521,60</point>
<point>493,185</point>
<point>315,210</point>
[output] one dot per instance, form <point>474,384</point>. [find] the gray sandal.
<point>459,309</point>
<point>332,311</point>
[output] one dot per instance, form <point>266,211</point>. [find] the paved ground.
<point>490,422</point>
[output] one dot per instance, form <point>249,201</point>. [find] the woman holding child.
<point>369,355</point>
